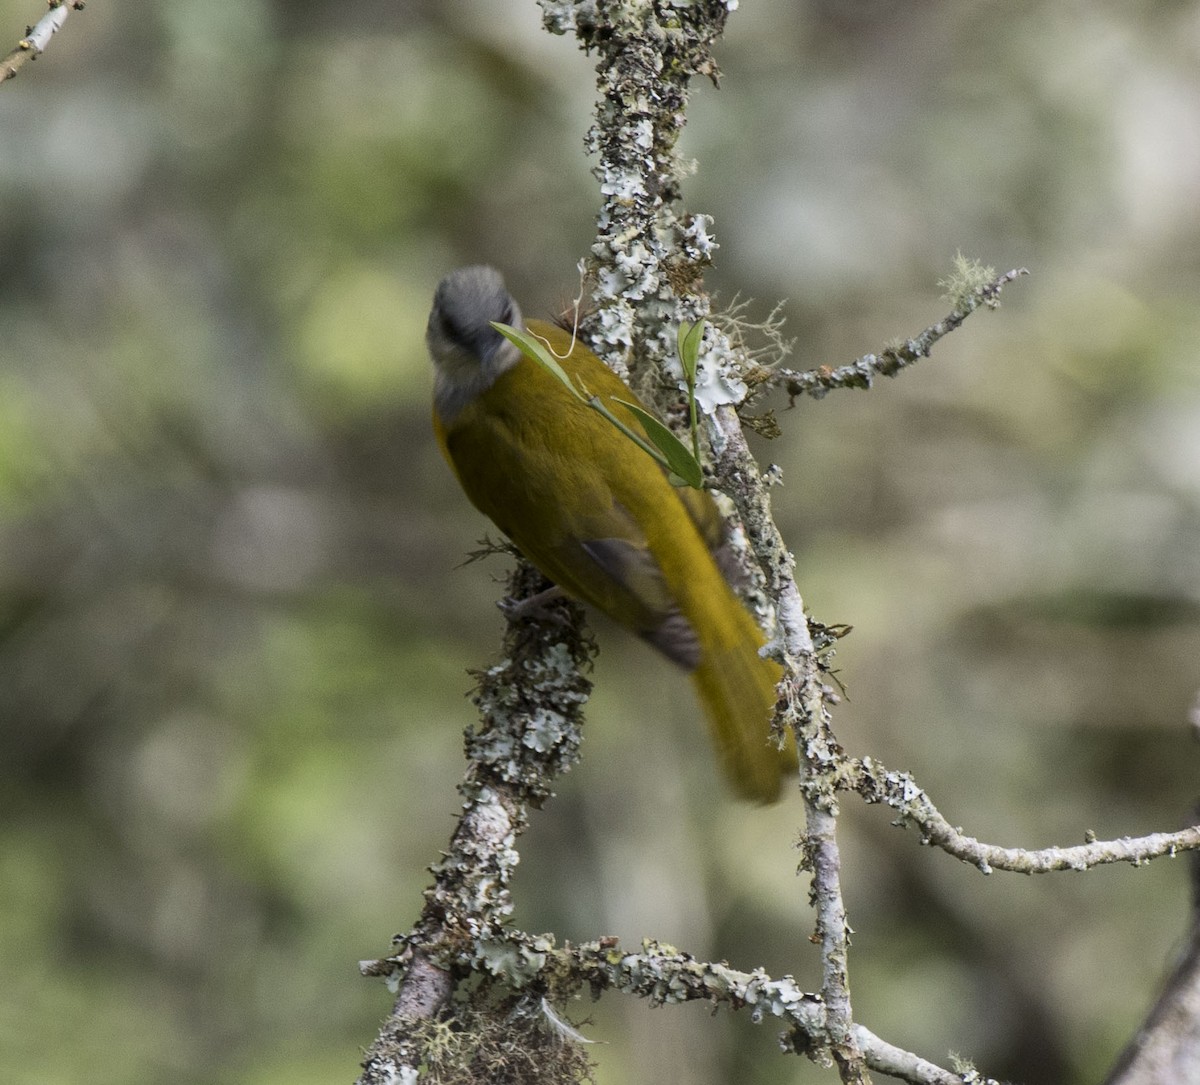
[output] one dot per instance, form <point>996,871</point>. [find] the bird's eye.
<point>506,317</point>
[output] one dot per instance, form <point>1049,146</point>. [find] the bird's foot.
<point>536,606</point>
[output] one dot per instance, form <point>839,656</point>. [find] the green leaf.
<point>679,459</point>
<point>690,338</point>
<point>536,350</point>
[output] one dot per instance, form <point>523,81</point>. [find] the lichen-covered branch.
<point>900,791</point>
<point>805,713</point>
<point>664,975</point>
<point>530,709</point>
<point>648,257</point>
<point>648,264</point>
<point>37,37</point>
<point>966,295</point>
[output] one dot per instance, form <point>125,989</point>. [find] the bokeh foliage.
<point>233,633</point>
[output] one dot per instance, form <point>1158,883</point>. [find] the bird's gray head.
<point>468,353</point>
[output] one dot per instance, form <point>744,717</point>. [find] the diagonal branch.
<point>531,708</point>
<point>1167,1046</point>
<point>37,37</point>
<point>862,372</point>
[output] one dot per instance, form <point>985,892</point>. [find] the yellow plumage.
<point>598,517</point>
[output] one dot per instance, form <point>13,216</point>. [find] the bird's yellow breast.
<point>560,480</point>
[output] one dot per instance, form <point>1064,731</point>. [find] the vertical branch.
<point>648,261</point>
<point>805,712</point>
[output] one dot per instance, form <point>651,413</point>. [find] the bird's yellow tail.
<point>737,688</point>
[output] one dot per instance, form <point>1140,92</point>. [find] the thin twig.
<point>37,37</point>
<point>890,361</point>
<point>877,784</point>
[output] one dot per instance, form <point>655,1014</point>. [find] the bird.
<point>596,514</point>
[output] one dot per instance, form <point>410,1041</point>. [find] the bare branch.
<point>900,791</point>
<point>833,931</point>
<point>1167,1046</point>
<point>37,37</point>
<point>898,1063</point>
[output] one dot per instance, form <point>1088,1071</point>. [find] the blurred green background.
<point>233,630</point>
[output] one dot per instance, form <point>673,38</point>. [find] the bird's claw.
<point>535,607</point>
